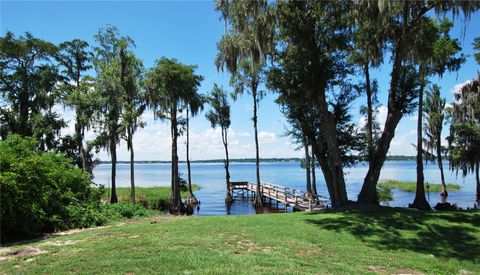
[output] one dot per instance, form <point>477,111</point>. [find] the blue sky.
<point>189,32</point>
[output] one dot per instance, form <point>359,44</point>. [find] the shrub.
<point>384,194</point>
<point>41,191</point>
<point>124,210</point>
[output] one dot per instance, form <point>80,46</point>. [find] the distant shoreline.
<point>264,160</point>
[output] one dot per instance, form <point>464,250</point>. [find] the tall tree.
<point>310,65</point>
<point>219,115</point>
<point>367,53</point>
<point>193,107</point>
<point>464,139</point>
<point>75,58</point>
<point>131,77</point>
<point>402,21</point>
<point>243,51</point>
<point>170,86</point>
<point>111,92</point>
<point>28,83</point>
<point>434,113</point>
<point>435,52</point>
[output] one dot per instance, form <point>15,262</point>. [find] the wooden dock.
<point>289,197</point>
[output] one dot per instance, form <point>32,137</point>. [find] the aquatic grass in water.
<point>157,198</point>
<point>410,186</point>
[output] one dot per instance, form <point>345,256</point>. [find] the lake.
<point>211,178</point>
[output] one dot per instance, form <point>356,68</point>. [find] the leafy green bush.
<point>41,191</point>
<point>124,210</point>
<point>87,215</point>
<point>384,194</point>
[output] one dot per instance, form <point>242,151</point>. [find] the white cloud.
<point>244,134</point>
<point>266,137</point>
<point>402,145</point>
<point>456,88</point>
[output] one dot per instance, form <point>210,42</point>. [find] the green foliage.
<point>88,215</point>
<point>153,198</point>
<point>37,189</point>
<point>124,210</point>
<point>411,186</point>
<point>78,93</point>
<point>219,115</point>
<point>476,46</point>
<point>384,194</point>
<point>434,112</point>
<point>464,139</point>
<point>309,73</point>
<point>28,80</point>
<point>172,87</point>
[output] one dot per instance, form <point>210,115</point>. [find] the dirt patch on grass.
<point>107,234</point>
<point>72,231</point>
<point>250,246</point>
<point>308,252</point>
<point>132,221</point>
<point>6,253</point>
<point>60,243</point>
<point>156,219</point>
<point>377,269</point>
<point>407,271</point>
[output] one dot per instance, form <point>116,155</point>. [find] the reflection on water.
<point>211,178</point>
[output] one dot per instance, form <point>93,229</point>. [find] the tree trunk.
<point>320,152</point>
<point>191,198</point>
<point>113,151</point>
<point>368,194</point>
<point>334,178</point>
<point>83,153</point>
<point>23,101</point>
<point>477,177</point>
<point>258,202</point>
<point>177,206</point>
<point>228,197</point>
<point>314,178</point>
<point>132,165</point>
<point>79,141</point>
<point>420,201</point>
<point>307,166</point>
<point>443,191</point>
<point>369,113</point>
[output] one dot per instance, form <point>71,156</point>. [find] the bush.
<point>84,215</point>
<point>384,194</point>
<point>124,210</point>
<point>42,191</point>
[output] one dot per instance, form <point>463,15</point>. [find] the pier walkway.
<point>289,197</point>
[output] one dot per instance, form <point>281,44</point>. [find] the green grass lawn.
<point>156,198</point>
<point>410,186</point>
<point>379,240</point>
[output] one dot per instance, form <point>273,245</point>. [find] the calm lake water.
<point>211,178</point>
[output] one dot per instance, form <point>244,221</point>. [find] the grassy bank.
<point>410,186</point>
<point>353,242</point>
<point>156,198</point>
